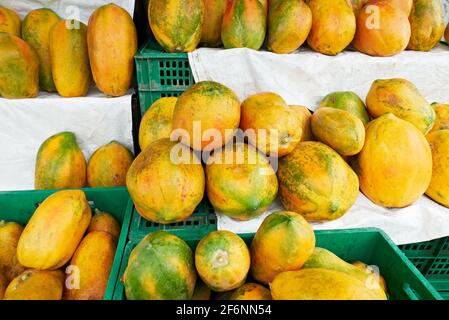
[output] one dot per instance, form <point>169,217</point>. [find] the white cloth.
<point>67,9</point>
<point>26,123</point>
<point>304,78</point>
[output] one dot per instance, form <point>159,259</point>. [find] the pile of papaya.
<point>281,263</point>
<point>241,156</point>
<point>64,252</point>
<point>374,27</point>
<point>47,52</point>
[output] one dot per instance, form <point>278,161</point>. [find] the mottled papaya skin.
<point>405,5</point>
<point>439,185</point>
<point>427,23</point>
<point>36,28</point>
<point>265,5</point>
<point>251,291</point>
<point>346,100</point>
<point>93,258</point>
<point>210,105</point>
<point>157,121</point>
<point>36,285</point>
<point>402,98</point>
<point>9,237</point>
<point>54,231</point>
<point>316,182</point>
<point>60,163</point>
<point>108,166</point>
<point>339,129</point>
<point>305,117</point>
<point>240,182</point>
<point>442,116</point>
<point>103,221</point>
<point>244,24</point>
<point>161,267</point>
<point>69,44</point>
<point>19,68</point>
<point>163,190</point>
<point>283,242</point>
<point>112,44</point>
<point>357,5</point>
<point>177,24</point>
<point>9,21</point>
<point>222,260</point>
<point>213,17</point>
<point>333,26</point>
<point>386,36</point>
<point>395,164</point>
<point>271,125</point>
<point>289,24</point>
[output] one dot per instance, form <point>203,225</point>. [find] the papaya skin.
<point>348,101</point>
<point>103,221</point>
<point>446,33</point>
<point>3,285</point>
<point>9,237</point>
<point>9,21</point>
<point>305,117</point>
<point>54,231</point>
<point>251,291</point>
<point>68,43</point>
<point>112,44</point>
<point>93,258</point>
<point>36,285</point>
<point>108,165</point>
<point>369,270</point>
<point>19,68</point>
<point>202,291</point>
<point>36,28</point>
<point>442,116</point>
<point>213,17</point>
<point>60,163</point>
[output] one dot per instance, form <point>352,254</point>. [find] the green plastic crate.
<point>202,222</point>
<point>431,258</point>
<point>369,245</point>
<point>160,74</point>
<point>19,206</point>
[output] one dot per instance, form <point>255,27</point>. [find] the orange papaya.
<point>9,21</point>
<point>213,18</point>
<point>103,221</point>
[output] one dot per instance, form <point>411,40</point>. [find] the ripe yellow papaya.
<point>251,291</point>
<point>36,285</point>
<point>439,185</point>
<point>9,21</point>
<point>103,221</point>
<point>442,116</point>
<point>9,237</point>
<point>305,117</point>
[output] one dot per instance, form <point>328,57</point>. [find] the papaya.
<point>325,259</point>
<point>60,163</point>
<point>54,231</point>
<point>160,267</point>
<point>265,5</point>
<point>108,165</point>
<point>321,284</point>
<point>339,129</point>
<point>224,295</point>
<point>333,26</point>
<point>157,121</point>
<point>36,28</point>
<point>103,221</point>
<point>251,291</point>
<point>14,269</point>
<point>244,24</point>
<point>112,62</point>
<point>19,68</point>
<point>438,189</point>
<point>305,117</point>
<point>383,29</point>
<point>93,259</point>
<point>202,291</point>
<point>177,24</point>
<point>213,18</point>
<point>36,285</point>
<point>3,285</point>
<point>402,98</point>
<point>9,237</point>
<point>404,5</point>
<point>395,164</point>
<point>348,101</point>
<point>240,182</point>
<point>442,116</point>
<point>210,109</point>
<point>270,124</point>
<point>371,271</point>
<point>427,24</point>
<point>289,24</point>
<point>357,5</point>
<point>222,260</point>
<point>316,182</point>
<point>446,33</point>
<point>284,241</point>
<point>68,43</point>
<point>9,22</point>
<point>166,182</point>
